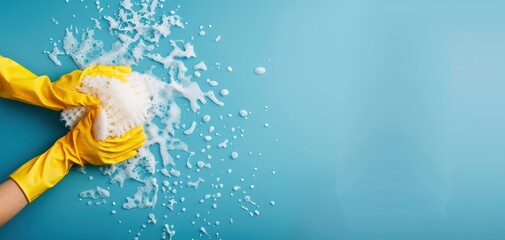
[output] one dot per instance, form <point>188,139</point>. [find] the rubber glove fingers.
<point>122,147</point>
<point>134,142</point>
<point>119,72</point>
<point>73,80</point>
<point>70,81</point>
<point>121,158</point>
<point>91,151</point>
<point>131,133</point>
<point>126,143</point>
<point>71,99</point>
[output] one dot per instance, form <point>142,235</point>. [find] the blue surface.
<point>390,120</point>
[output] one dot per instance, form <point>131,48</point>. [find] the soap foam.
<point>260,70</point>
<point>96,193</point>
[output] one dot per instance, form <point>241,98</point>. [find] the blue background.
<point>389,116</point>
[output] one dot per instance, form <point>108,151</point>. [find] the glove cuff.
<point>42,172</point>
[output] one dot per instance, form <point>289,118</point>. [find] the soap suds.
<point>152,218</point>
<point>96,23</point>
<point>213,83</point>
<point>200,66</point>
<point>168,230</point>
<point>196,183</point>
<point>204,231</point>
<point>96,193</point>
<point>260,70</point>
<point>243,113</point>
<point>225,92</point>
<point>191,128</point>
<point>223,144</point>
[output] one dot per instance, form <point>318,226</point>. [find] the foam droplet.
<point>260,71</point>
<point>243,113</point>
<point>225,92</point>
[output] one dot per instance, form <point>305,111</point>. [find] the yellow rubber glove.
<point>74,79</point>
<point>18,83</point>
<point>77,147</point>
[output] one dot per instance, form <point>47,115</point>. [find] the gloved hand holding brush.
<point>77,147</point>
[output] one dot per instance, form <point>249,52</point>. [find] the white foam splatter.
<point>171,204</point>
<point>53,55</point>
<point>152,218</point>
<point>168,230</point>
<point>196,183</point>
<point>243,113</point>
<point>97,23</point>
<point>213,83</point>
<point>260,71</point>
<point>200,66</point>
<point>96,193</point>
<point>190,129</point>
<point>225,92</point>
<point>204,231</point>
<point>223,144</point>
<point>248,199</point>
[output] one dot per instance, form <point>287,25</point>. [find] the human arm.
<point>77,147</point>
<point>12,200</point>
<point>18,83</point>
<point>46,170</point>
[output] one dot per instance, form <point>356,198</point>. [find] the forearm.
<point>12,200</point>
<point>44,171</point>
<point>18,83</point>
